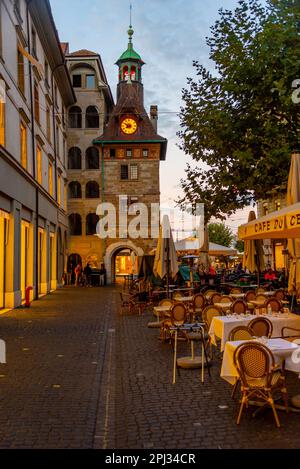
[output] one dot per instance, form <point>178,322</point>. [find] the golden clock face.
<point>129,126</point>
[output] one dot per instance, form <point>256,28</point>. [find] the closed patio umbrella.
<point>165,263</point>
<point>204,248</point>
<point>250,251</point>
<point>293,197</point>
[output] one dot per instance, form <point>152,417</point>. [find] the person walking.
<point>78,273</point>
<point>102,275</point>
<point>87,273</point>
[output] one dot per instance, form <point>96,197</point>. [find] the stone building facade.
<point>85,121</point>
<point>35,91</point>
<point>131,151</point>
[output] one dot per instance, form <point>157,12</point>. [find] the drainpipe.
<point>34,161</point>
<point>54,125</point>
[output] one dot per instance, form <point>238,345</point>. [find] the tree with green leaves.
<point>220,234</point>
<point>240,123</point>
<point>239,245</point>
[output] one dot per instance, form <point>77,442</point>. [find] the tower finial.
<point>130,30</point>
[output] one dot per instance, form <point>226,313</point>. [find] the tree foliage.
<point>220,234</point>
<point>240,123</point>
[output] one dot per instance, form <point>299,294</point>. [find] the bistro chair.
<point>208,294</point>
<point>260,290</point>
<point>241,333</point>
<point>164,302</point>
<point>177,296</point>
<point>178,316</point>
<point>239,307</point>
<point>126,303</point>
<point>199,302</point>
<point>261,327</point>
<point>275,305</point>
<point>236,291</point>
<point>250,295</point>
<point>225,299</point>
<point>279,295</point>
<point>208,314</point>
<point>259,376</point>
<point>215,298</point>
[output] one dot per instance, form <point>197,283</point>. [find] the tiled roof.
<point>83,53</point>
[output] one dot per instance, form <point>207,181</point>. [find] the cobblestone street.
<point>79,375</point>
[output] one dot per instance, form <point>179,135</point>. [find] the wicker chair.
<point>177,296</point>
<point>260,290</point>
<point>279,295</point>
<point>215,298</point>
<point>207,315</point>
<point>239,307</point>
<point>241,333</point>
<point>199,303</point>
<point>236,291</point>
<point>261,327</point>
<point>275,305</point>
<point>225,299</point>
<point>250,295</point>
<point>208,294</point>
<point>178,316</point>
<point>126,303</point>
<point>259,377</point>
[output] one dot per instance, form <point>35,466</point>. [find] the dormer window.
<point>90,82</point>
<point>77,81</point>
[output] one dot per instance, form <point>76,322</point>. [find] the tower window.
<point>145,153</point>
<point>125,73</point>
<point>92,158</point>
<point>91,224</point>
<point>90,82</point>
<point>77,81</point>
<point>75,226</point>
<point>75,117</point>
<point>133,73</point>
<point>74,158</point>
<point>133,172</point>
<point>92,118</point>
<point>129,153</point>
<point>124,172</point>
<point>92,190</point>
<point>75,190</point>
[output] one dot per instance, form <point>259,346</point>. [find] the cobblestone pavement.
<point>79,375</point>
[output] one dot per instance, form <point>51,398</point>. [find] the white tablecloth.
<point>221,326</point>
<point>281,349</point>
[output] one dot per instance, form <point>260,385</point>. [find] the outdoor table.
<point>221,326</point>
<point>257,303</point>
<point>199,327</point>
<point>281,349</point>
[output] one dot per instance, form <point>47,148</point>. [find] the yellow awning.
<point>284,223</point>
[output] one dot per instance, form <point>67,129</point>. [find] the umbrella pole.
<point>168,267</point>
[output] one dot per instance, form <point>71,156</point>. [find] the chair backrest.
<point>209,313</point>
<point>261,297</point>
<point>225,299</point>
<point>177,296</point>
<point>279,295</point>
<point>239,307</point>
<point>241,333</point>
<point>236,290</point>
<point>166,302</point>
<point>261,327</point>
<point>199,301</point>
<point>250,295</point>
<point>178,314</point>
<point>215,298</point>
<point>275,305</point>
<point>260,290</point>
<point>254,361</point>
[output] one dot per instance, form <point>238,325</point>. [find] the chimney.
<point>154,116</point>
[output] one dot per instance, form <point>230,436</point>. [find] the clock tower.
<point>131,152</point>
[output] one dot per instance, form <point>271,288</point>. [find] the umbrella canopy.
<point>293,197</point>
<point>165,246</point>
<point>192,245</point>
